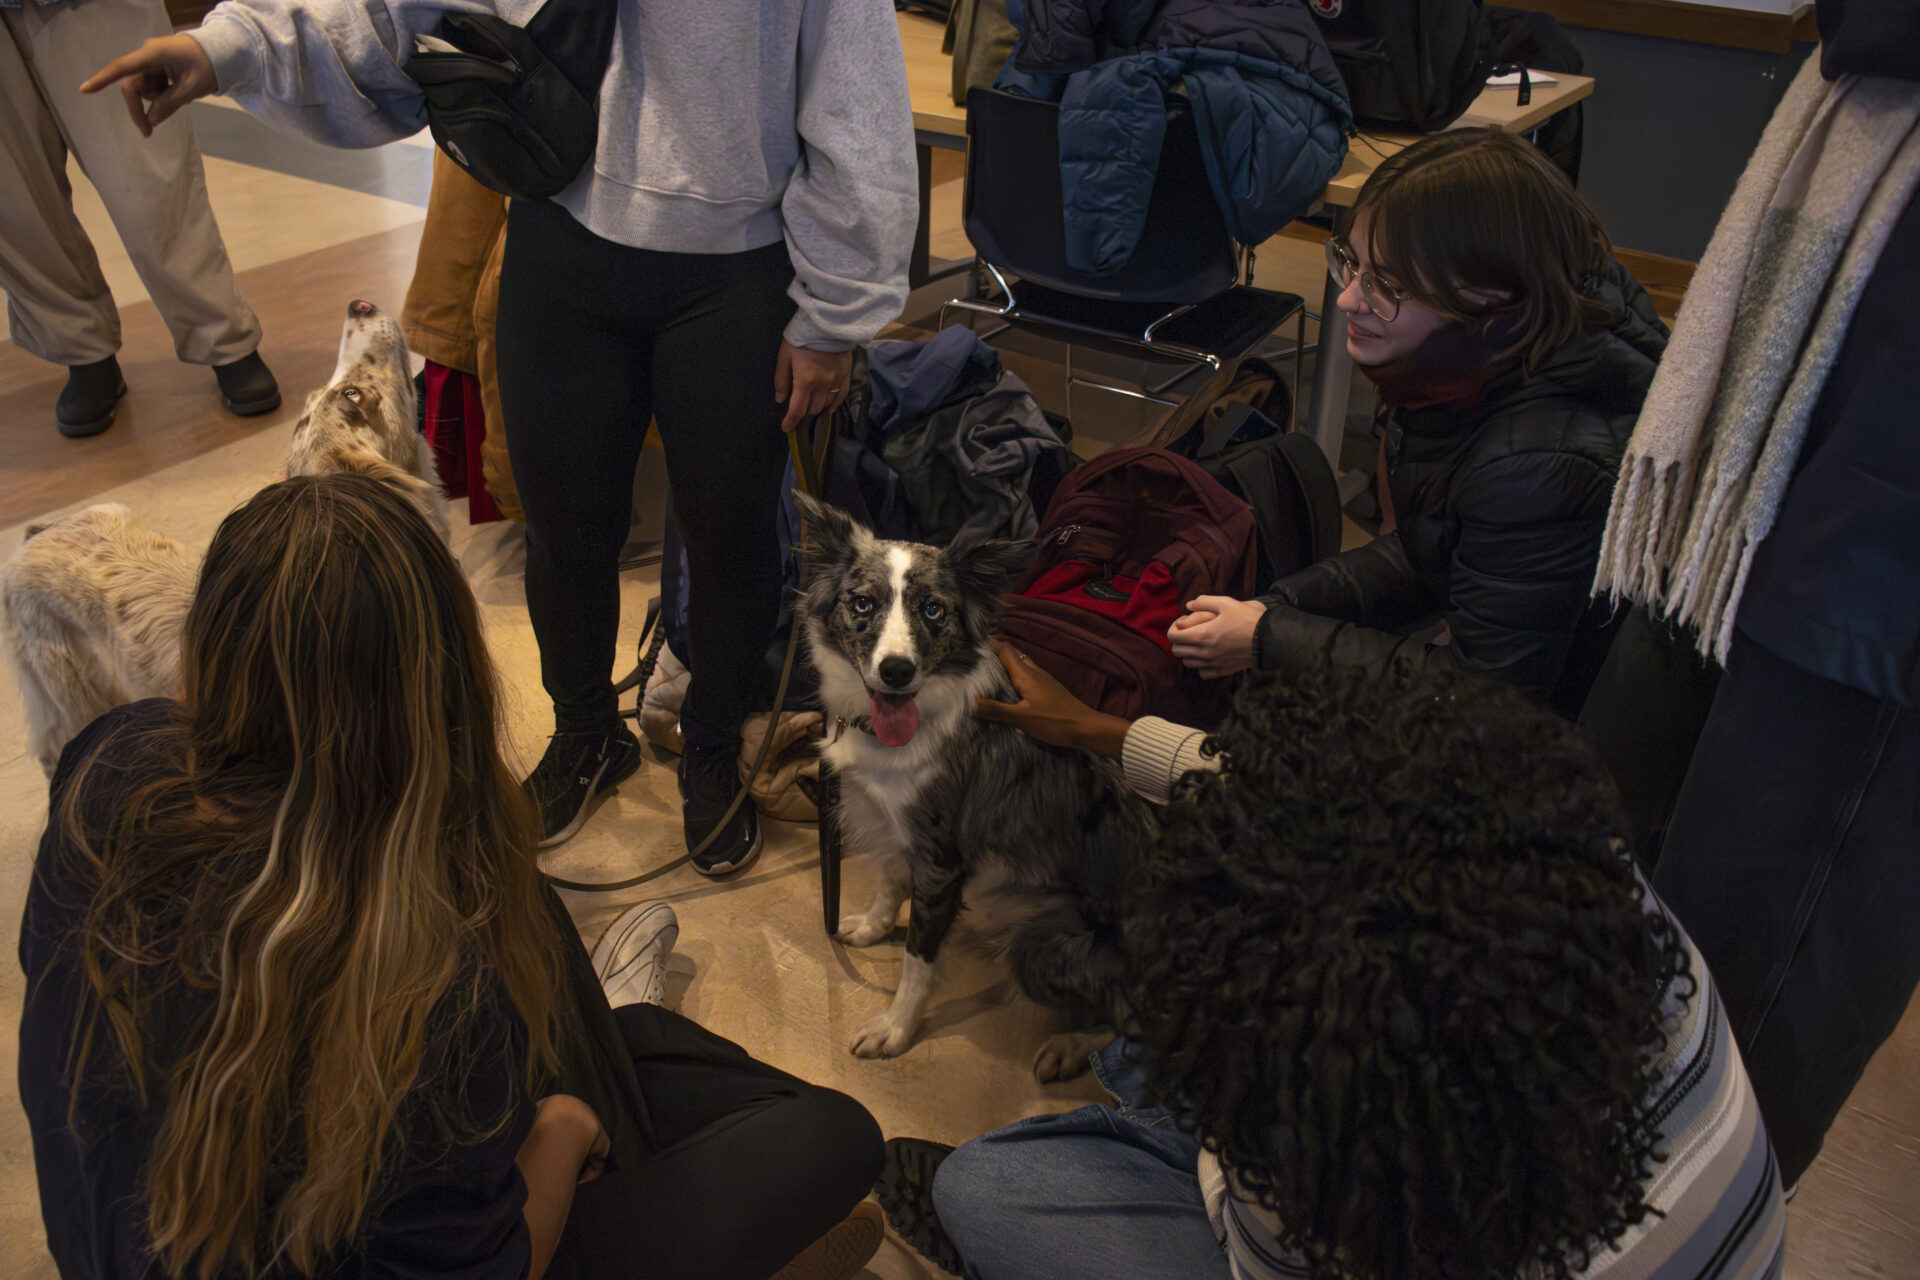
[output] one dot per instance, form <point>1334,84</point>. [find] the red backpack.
<point>1127,540</point>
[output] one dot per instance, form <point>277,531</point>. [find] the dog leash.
<point>806,471</point>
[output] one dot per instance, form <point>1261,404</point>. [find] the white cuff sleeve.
<point>1158,753</point>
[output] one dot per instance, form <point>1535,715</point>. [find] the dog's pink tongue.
<point>894,719</point>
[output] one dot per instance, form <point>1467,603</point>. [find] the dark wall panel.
<point>1669,128</point>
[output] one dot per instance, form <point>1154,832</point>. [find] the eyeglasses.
<point>1343,265</point>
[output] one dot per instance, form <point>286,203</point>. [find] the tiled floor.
<point>310,232</point>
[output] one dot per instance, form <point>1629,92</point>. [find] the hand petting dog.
<point>1048,711</point>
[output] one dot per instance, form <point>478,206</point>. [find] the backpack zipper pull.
<point>1066,533</point>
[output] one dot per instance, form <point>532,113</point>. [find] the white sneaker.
<point>631,956</point>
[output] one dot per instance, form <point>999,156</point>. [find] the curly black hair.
<point>1394,966</point>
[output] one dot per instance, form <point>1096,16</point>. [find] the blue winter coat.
<point>1272,131</point>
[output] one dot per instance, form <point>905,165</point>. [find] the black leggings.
<point>752,1165</point>
<point>596,338</point>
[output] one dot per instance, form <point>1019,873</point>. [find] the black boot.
<point>247,385</point>
<point>85,407</point>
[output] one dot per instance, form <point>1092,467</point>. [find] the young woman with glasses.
<point>1511,354</point>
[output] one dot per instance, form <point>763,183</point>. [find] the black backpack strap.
<point>577,37</point>
<point>1319,490</point>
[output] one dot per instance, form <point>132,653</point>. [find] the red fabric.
<point>1129,538</point>
<point>456,423</point>
<point>1152,602</point>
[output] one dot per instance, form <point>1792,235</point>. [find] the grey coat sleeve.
<point>329,70</point>
<point>852,204</point>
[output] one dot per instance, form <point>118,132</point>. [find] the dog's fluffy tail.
<point>1061,961</point>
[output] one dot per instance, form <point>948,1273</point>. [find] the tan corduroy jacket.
<point>455,294</point>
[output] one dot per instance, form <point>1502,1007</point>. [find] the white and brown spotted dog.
<point>94,603</point>
<point>1040,842</point>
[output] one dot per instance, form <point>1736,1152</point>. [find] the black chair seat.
<point>1226,326</point>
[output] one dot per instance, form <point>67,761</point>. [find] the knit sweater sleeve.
<point>1158,753</point>
<point>853,201</point>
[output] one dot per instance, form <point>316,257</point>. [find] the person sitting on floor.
<point>299,1002</point>
<point>1483,302</point>
<point>1401,1008</point>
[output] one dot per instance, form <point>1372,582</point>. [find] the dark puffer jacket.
<point>1064,36</point>
<point>1267,101</point>
<point>1500,511</point>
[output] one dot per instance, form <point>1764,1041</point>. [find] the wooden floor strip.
<point>172,411</point>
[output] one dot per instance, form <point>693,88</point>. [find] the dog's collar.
<point>841,723</point>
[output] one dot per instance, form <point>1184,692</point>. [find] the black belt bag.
<point>516,106</point>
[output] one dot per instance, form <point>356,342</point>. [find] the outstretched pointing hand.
<point>157,79</point>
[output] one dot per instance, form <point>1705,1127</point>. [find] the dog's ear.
<point>830,532</point>
<point>987,569</point>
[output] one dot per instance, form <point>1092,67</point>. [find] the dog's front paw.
<point>862,930</point>
<point>883,1037</point>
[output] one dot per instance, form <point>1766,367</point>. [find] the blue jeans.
<point>1095,1193</point>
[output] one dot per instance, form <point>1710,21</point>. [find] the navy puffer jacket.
<point>1268,102</point>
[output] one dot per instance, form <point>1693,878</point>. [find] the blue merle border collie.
<point>1038,841</point>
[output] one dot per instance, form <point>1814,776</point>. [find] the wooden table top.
<point>930,76</point>
<point>1494,106</point>
<point>930,86</point>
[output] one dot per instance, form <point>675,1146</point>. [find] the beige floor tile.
<point>264,216</point>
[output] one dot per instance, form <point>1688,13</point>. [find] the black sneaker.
<point>576,768</point>
<point>709,780</point>
<point>905,1192</point>
<point>247,385</point>
<point>85,407</point>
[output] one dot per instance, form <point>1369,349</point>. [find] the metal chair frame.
<point>1195,359</point>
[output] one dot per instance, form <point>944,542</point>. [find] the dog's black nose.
<point>897,672</point>
<point>360,307</point>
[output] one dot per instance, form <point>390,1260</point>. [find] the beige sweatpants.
<point>154,189</point>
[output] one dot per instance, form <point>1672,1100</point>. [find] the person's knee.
<point>970,1189</point>
<point>843,1135</point>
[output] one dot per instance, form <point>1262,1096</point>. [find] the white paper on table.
<point>1512,79</point>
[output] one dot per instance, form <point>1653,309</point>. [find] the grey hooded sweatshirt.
<point>725,125</point>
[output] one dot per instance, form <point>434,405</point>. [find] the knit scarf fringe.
<point>1764,318</point>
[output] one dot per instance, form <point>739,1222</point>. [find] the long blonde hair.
<point>338,853</point>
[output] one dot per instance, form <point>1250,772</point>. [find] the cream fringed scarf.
<point>1761,324</point>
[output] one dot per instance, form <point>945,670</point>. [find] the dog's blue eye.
<point>861,604</point>
<point>933,611</point>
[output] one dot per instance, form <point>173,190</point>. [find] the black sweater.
<point>450,1202</point>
